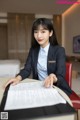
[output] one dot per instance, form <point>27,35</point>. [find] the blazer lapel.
<point>50,57</point>
<point>50,53</point>
<point>36,52</point>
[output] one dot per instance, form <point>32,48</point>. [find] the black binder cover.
<point>34,113</point>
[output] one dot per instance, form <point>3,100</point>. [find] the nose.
<point>39,35</point>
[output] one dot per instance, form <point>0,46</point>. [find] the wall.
<point>70,28</point>
<point>15,39</point>
<point>57,22</point>
<point>3,42</point>
<point>19,35</point>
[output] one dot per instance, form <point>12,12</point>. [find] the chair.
<point>73,97</point>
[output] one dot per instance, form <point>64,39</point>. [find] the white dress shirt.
<point>42,62</point>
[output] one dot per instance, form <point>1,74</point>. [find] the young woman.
<point>46,58</point>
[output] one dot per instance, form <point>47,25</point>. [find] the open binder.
<point>59,109</point>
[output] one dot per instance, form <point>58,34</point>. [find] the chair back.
<point>68,76</point>
<point>73,97</point>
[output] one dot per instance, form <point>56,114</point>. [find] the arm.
<point>58,76</point>
<point>61,71</point>
<point>25,72</point>
<point>61,66</point>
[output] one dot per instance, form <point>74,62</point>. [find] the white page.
<point>31,95</point>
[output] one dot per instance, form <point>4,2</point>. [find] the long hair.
<point>46,24</point>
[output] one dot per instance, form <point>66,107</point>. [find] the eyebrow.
<point>41,29</point>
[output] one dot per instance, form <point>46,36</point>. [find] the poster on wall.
<point>76,44</point>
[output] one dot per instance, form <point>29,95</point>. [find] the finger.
<point>15,83</point>
<point>51,82</point>
<point>9,82</point>
<point>47,83</point>
<point>55,79</point>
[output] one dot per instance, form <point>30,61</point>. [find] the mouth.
<point>40,40</point>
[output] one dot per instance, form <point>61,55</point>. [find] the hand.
<point>13,81</point>
<point>50,80</point>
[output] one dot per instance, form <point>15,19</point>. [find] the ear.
<point>51,33</point>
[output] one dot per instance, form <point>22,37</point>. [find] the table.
<point>69,116</point>
<point>9,68</point>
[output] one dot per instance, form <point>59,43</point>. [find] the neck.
<point>43,46</point>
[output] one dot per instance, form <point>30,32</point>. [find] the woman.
<point>46,58</point>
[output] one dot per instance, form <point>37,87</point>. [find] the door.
<point>3,42</point>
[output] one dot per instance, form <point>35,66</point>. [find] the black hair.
<point>47,24</point>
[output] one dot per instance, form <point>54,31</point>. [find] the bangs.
<point>37,27</point>
<point>46,24</point>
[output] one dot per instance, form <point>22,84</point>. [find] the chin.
<point>40,43</point>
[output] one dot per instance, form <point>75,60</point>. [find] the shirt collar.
<point>45,48</point>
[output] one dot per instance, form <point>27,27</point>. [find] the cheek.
<point>35,36</point>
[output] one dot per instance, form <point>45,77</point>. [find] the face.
<point>42,36</point>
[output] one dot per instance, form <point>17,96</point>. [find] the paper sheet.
<point>31,95</point>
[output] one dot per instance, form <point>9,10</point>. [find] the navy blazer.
<point>55,64</point>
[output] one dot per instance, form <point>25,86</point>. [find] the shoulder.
<point>34,50</point>
<point>58,48</point>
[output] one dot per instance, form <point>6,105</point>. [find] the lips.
<point>40,40</point>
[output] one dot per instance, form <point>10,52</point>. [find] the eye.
<point>35,31</point>
<point>43,31</point>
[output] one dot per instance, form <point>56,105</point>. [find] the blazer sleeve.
<point>61,66</point>
<point>61,71</point>
<point>26,71</point>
